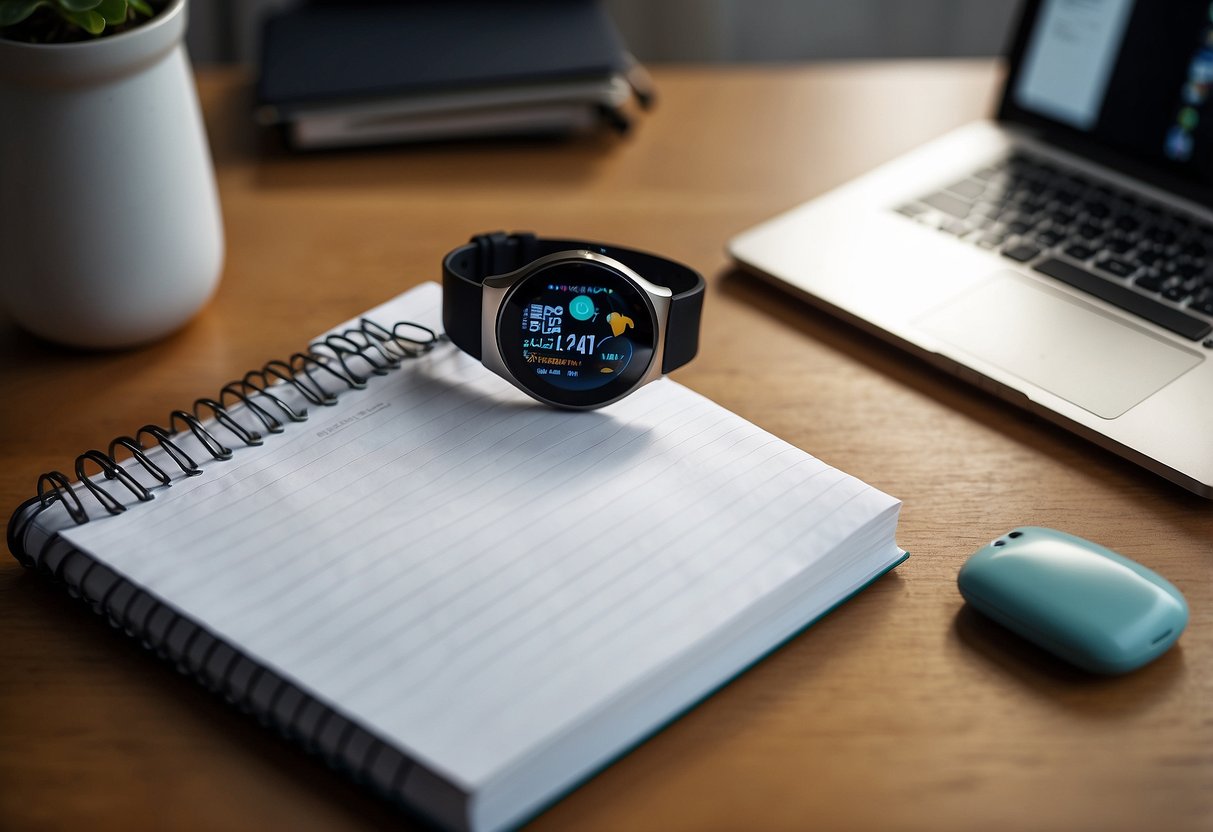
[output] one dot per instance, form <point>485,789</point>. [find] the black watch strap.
<point>465,268</point>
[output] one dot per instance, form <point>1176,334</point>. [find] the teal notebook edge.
<point>759,659</point>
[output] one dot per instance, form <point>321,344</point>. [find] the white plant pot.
<point>110,232</point>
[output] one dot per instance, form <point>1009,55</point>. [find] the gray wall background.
<point>715,30</point>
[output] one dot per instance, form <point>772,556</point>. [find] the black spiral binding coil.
<point>346,359</point>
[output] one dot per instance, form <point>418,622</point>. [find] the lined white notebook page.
<point>465,572</point>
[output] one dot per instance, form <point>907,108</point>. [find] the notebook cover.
<point>332,52</point>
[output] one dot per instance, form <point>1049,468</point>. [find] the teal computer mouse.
<point>1078,600</point>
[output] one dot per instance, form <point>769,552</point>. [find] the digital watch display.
<point>574,324</point>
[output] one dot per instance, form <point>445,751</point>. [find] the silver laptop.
<point>1060,256</point>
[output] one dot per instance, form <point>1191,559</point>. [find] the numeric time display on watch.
<point>575,337</point>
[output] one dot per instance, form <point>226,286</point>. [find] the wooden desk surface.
<point>902,710</point>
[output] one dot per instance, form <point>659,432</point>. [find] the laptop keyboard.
<point>1138,255</point>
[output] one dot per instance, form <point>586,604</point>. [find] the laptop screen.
<point>1125,81</point>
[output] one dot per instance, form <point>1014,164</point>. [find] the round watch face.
<point>577,333</point>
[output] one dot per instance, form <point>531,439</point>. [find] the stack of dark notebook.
<point>356,73</point>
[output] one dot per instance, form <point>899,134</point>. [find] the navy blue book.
<point>373,72</point>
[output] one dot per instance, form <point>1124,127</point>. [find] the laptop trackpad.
<point>1060,343</point>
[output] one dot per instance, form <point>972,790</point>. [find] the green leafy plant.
<point>57,21</point>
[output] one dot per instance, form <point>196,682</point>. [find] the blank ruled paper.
<point>466,573</point>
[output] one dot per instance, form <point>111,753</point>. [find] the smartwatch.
<point>575,324</point>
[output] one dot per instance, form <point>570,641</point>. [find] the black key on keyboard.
<point>1112,266</point>
<point>1151,281</point>
<point>1184,270</point>
<point>1165,316</point>
<point>1063,217</point>
<point>1049,237</point>
<point>1033,206</point>
<point>1079,252</point>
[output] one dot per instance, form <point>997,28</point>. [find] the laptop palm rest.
<point>1059,343</point>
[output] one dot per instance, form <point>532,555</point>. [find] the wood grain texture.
<point>902,710</point>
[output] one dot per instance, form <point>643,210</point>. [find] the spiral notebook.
<point>466,601</point>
